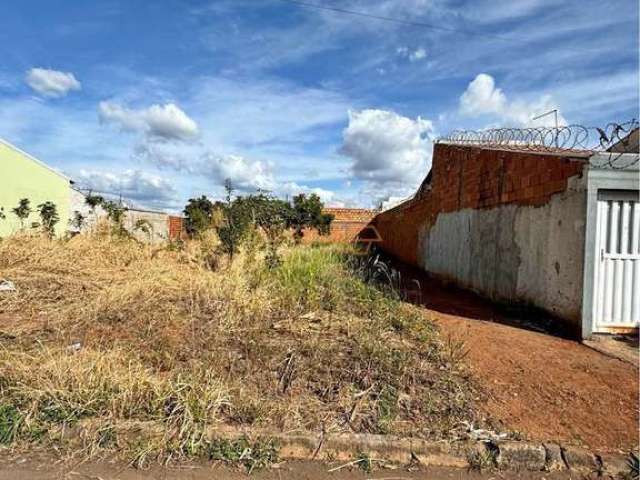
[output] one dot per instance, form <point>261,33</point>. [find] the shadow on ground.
<point>422,289</point>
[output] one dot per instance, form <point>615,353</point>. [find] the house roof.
<point>34,159</point>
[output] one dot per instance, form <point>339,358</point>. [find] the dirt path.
<point>538,381</point>
<point>549,388</point>
<point>544,386</point>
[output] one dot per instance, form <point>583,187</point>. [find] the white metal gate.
<point>617,261</point>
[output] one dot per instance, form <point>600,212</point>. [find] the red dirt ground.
<point>543,386</point>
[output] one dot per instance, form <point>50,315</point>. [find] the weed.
<point>482,459</point>
<point>387,407</point>
<point>10,422</point>
<point>454,350</point>
<point>252,455</point>
<point>364,462</point>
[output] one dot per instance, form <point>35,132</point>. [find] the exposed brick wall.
<point>466,177</point>
<point>346,224</point>
<point>176,228</point>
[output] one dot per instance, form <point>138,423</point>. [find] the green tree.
<point>22,211</point>
<point>306,212</point>
<point>241,215</point>
<point>49,217</point>
<point>199,215</point>
<point>270,215</point>
<point>234,225</point>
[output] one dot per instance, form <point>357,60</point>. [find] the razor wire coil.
<point>571,138</point>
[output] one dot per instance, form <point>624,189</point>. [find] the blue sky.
<point>162,100</point>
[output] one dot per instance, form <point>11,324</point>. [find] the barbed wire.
<point>612,141</point>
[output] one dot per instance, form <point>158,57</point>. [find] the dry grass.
<point>111,330</point>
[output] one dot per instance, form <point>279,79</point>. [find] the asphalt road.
<point>43,468</point>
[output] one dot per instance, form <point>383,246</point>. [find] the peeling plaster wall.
<point>509,225</point>
<point>527,254</point>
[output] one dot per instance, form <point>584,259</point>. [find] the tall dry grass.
<point>111,330</point>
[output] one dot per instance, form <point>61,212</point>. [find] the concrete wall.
<point>509,225</point>
<point>25,177</point>
<point>159,221</point>
<point>78,204</point>
<point>530,254</point>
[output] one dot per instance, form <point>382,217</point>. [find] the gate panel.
<point>617,268</point>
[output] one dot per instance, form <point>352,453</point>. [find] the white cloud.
<point>168,155</point>
<point>51,83</point>
<point>148,189</point>
<point>290,189</point>
<point>392,201</point>
<point>248,176</point>
<point>418,55</point>
<point>387,147</point>
<point>245,174</point>
<point>391,154</point>
<point>167,122</point>
<point>482,97</point>
<point>412,55</point>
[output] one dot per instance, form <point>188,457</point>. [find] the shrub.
<point>49,217</point>
<point>115,214</point>
<point>144,226</point>
<point>77,221</point>
<point>306,212</point>
<point>199,215</point>
<point>22,211</point>
<point>270,215</point>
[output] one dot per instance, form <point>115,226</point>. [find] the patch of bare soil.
<point>550,388</point>
<point>543,386</point>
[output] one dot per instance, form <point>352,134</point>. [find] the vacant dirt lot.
<point>104,332</point>
<point>544,386</point>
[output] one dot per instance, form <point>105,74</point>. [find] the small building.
<point>556,229</point>
<point>24,176</point>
